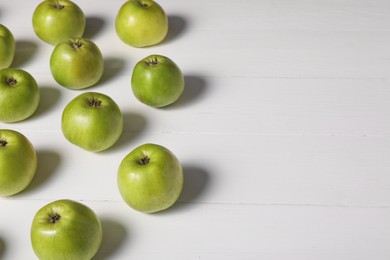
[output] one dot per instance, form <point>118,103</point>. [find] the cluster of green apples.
<point>150,177</point>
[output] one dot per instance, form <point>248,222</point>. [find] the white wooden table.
<point>283,132</point>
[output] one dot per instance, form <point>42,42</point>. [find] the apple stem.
<point>142,4</point>
<point>144,160</point>
<point>94,102</point>
<point>54,217</point>
<point>77,44</point>
<point>11,81</point>
<point>59,6</point>
<point>3,142</point>
<point>152,61</point>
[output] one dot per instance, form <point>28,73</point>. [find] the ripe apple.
<point>92,121</point>
<point>19,95</point>
<point>7,47</point>
<point>150,178</point>
<point>141,23</point>
<point>66,229</point>
<point>157,81</point>
<point>55,21</point>
<point>77,63</point>
<point>18,162</point>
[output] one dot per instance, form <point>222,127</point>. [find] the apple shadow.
<point>48,162</point>
<point>195,88</point>
<point>133,122</point>
<point>196,182</point>
<point>24,51</point>
<point>133,125</point>
<point>113,66</point>
<point>93,26</point>
<point>48,98</point>
<point>2,247</point>
<point>176,27</point>
<point>114,236</point>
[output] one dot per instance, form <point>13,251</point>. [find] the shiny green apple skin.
<point>19,95</point>
<point>7,47</point>
<point>55,21</point>
<point>18,162</point>
<point>92,121</point>
<point>150,178</point>
<point>77,63</point>
<point>66,229</point>
<point>157,81</point>
<point>141,23</point>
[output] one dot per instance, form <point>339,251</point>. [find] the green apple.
<point>76,63</point>
<point>92,121</point>
<point>66,229</point>
<point>55,21</point>
<point>19,95</point>
<point>150,178</point>
<point>141,23</point>
<point>18,162</point>
<point>7,47</point>
<point>157,81</point>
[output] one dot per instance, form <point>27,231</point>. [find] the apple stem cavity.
<point>143,4</point>
<point>3,142</point>
<point>94,102</point>
<point>152,62</point>
<point>59,6</point>
<point>54,217</point>
<point>11,81</point>
<point>144,160</point>
<point>77,44</point>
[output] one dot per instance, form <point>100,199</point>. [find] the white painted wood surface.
<point>283,132</point>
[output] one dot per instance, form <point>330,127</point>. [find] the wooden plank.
<point>219,231</point>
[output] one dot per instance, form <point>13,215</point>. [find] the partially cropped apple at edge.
<point>57,20</point>
<point>76,63</point>
<point>18,162</point>
<point>92,121</point>
<point>141,23</point>
<point>19,95</point>
<point>65,229</point>
<point>7,47</point>
<point>157,81</point>
<point>150,178</point>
